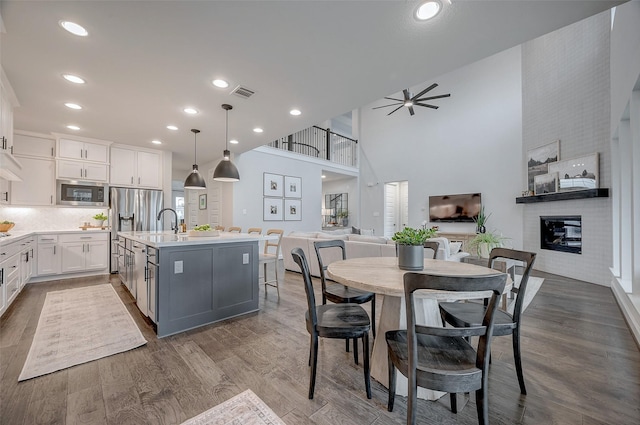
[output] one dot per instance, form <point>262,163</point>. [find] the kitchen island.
<point>182,282</point>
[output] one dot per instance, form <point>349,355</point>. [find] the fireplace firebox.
<point>561,233</point>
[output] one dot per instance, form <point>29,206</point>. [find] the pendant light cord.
<point>195,152</point>
<point>226,132</point>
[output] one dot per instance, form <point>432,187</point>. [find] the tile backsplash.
<point>49,218</point>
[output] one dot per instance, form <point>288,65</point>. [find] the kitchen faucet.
<point>175,229</point>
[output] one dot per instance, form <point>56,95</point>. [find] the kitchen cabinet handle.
<point>131,179</point>
<point>81,171</point>
<point>88,248</point>
<point>86,237</point>
<point>52,153</point>
<point>14,267</point>
<point>54,250</point>
<point>51,199</point>
<point>47,239</point>
<point>6,196</point>
<point>82,247</point>
<point>1,277</point>
<point>11,149</point>
<point>81,154</point>
<point>86,155</point>
<point>138,180</point>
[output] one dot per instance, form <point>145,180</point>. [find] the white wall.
<point>473,143</point>
<point>566,96</point>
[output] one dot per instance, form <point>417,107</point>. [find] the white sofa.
<point>357,246</point>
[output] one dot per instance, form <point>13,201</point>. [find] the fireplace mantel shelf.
<point>564,196</point>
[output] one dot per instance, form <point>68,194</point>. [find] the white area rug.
<point>533,285</point>
<point>77,326</point>
<point>244,409</point>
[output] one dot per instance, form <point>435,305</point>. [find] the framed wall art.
<point>292,187</point>
<point>202,201</point>
<point>273,185</point>
<point>293,209</point>
<point>577,173</point>
<point>538,160</point>
<point>546,183</point>
<point>272,209</point>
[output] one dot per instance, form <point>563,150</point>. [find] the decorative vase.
<point>98,223</point>
<point>411,257</point>
<point>483,250</point>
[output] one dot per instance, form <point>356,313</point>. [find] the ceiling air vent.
<point>243,92</point>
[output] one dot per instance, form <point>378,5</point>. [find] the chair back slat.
<point>433,246</point>
<point>528,258</point>
<point>235,229</point>
<point>253,230</point>
<point>332,245</point>
<point>301,260</point>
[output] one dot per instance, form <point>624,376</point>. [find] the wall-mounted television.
<point>454,208</point>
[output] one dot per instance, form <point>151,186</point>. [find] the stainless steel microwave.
<point>71,192</point>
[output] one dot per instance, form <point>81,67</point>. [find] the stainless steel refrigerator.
<point>132,210</point>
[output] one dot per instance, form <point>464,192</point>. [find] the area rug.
<point>533,285</point>
<point>77,326</point>
<point>244,409</point>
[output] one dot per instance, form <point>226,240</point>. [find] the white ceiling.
<point>144,61</point>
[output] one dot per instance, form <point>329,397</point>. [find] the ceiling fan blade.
<point>384,106</point>
<point>431,87</point>
<point>411,110</point>
<point>406,94</point>
<point>394,110</point>
<point>433,97</point>
<point>427,106</point>
<point>393,98</point>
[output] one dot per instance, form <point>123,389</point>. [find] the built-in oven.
<point>79,193</point>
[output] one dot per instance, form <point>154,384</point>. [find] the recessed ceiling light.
<point>73,127</point>
<point>427,10</point>
<point>190,111</point>
<point>258,130</point>
<point>295,112</point>
<point>220,83</point>
<point>233,142</point>
<point>74,28</point>
<point>156,142</point>
<point>73,78</point>
<point>172,127</point>
<point>73,106</point>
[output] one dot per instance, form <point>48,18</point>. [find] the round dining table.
<point>382,276</point>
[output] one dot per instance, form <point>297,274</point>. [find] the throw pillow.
<point>355,230</point>
<point>366,232</point>
<point>454,247</point>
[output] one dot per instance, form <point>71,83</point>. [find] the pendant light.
<point>226,171</point>
<point>194,179</point>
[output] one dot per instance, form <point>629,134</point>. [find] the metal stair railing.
<point>321,143</point>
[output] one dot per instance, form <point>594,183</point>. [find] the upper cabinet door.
<point>27,145</point>
<point>149,169</point>
<point>38,183</point>
<point>95,172</point>
<point>123,165</point>
<point>71,149</point>
<point>95,152</point>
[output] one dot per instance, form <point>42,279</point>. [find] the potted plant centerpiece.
<point>99,219</point>
<point>485,242</point>
<point>410,244</point>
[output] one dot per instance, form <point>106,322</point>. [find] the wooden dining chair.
<point>270,255</point>
<point>332,321</point>
<point>220,228</point>
<point>255,230</point>
<point>432,246</point>
<point>235,229</point>
<point>441,358</point>
<point>471,314</point>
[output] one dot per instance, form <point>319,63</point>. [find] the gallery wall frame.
<point>546,183</point>
<point>273,185</point>
<point>292,187</point>
<point>272,209</point>
<point>538,160</point>
<point>577,173</point>
<point>292,209</point>
<point>202,201</point>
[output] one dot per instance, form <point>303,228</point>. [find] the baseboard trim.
<point>630,312</point>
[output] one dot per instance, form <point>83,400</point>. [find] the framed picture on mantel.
<point>538,160</point>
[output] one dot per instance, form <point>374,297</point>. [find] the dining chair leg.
<point>373,315</point>
<point>482,406</point>
<point>453,400</point>
<point>412,398</point>
<point>310,348</point>
<point>314,365</point>
<point>265,276</point>
<point>367,372</point>
<point>518,359</point>
<point>392,384</point>
<point>275,266</point>
<point>347,344</point>
<point>355,350</point>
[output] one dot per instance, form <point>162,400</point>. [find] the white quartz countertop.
<point>16,236</point>
<point>166,239</point>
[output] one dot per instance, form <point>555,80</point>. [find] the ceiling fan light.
<point>428,10</point>
<point>408,103</point>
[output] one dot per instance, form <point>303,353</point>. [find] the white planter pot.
<point>483,250</point>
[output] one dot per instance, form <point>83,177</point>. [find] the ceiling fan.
<point>411,101</point>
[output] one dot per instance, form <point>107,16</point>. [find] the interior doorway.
<point>396,207</point>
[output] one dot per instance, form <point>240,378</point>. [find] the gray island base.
<point>198,280</point>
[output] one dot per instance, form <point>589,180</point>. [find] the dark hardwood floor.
<point>580,361</point>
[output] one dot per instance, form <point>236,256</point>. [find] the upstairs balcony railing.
<point>321,143</point>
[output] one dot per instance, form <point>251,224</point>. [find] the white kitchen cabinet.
<point>80,150</point>
<point>82,252</point>
<point>49,256</point>
<point>79,170</point>
<point>134,168</point>
<point>5,191</point>
<point>27,144</point>
<point>38,183</point>
<point>6,116</point>
<point>9,273</point>
<point>26,260</point>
